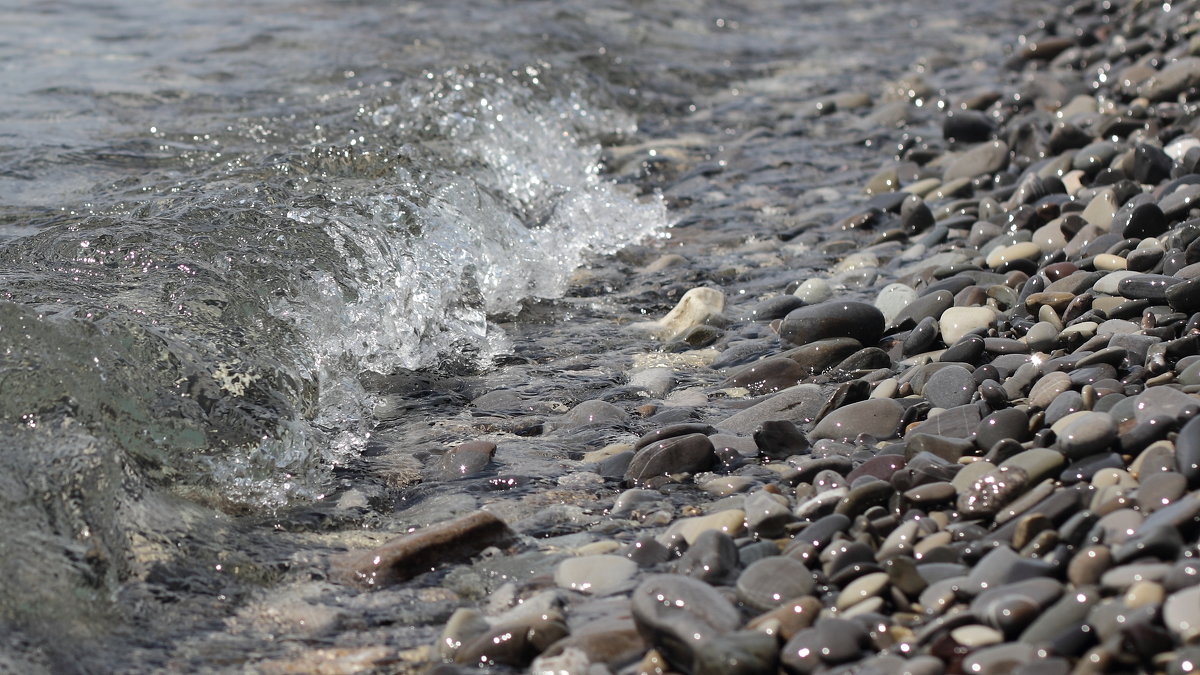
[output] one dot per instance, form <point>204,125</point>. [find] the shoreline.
<point>953,490</point>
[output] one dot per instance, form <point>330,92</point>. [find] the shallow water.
<point>259,256</point>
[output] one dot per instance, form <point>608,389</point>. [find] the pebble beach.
<point>910,385</point>
<point>962,440</point>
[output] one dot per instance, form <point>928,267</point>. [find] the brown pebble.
<point>1087,566</point>
<point>1059,270</point>
<point>405,557</point>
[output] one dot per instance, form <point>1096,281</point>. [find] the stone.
<point>770,582</point>
<point>405,557</point>
<point>692,310</point>
<point>949,387</point>
<point>833,319</point>
<point>956,322</point>
<point>595,574</point>
<point>679,614</point>
<point>681,454</point>
<point>466,459</point>
<point>879,418</point>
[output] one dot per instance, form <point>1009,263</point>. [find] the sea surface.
<point>256,258</point>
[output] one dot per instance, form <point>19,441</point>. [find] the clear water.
<point>231,231</point>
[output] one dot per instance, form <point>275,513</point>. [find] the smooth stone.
<point>1159,490</point>
<point>1066,403</point>
<point>513,643</point>
<point>1047,388</point>
<point>1109,262</point>
<point>949,387</point>
<point>1110,283</point>
<point>1001,567</point>
<point>958,321</point>
<point>745,652</point>
<point>691,454</point>
<point>779,439</point>
<point>770,582</point>
<point>671,431</point>
<point>1165,401</point>
<point>984,158</point>
<point>866,586</point>
<point>730,521</point>
<point>1181,614</point>
<point>1187,451</point>
<point>957,422</point>
<point>879,418</point>
<point>768,375</point>
<point>678,614</point>
<point>1184,296</point>
<point>1151,287</point>
<point>813,291</point>
<point>789,618</point>
<point>892,299</point>
<point>466,459</point>
<point>1101,209</point>
<point>1025,250</point>
<point>1068,611</point>
<point>1001,659</point>
<point>653,382</point>
<point>591,414</point>
<point>712,558</point>
<point>692,310</point>
<point>831,641</point>
<point>832,319</point>
<point>595,574</point>
<point>1012,606</point>
<point>772,308</point>
<point>1041,336</point>
<point>819,356</point>
<point>766,515</point>
<point>931,305</point>
<point>976,635</point>
<point>405,557</point>
<point>1090,433</point>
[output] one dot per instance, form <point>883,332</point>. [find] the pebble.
<point>833,319</point>
<point>879,418</point>
<point>680,614</point>
<point>692,310</point>
<point>595,574</point>
<point>956,322</point>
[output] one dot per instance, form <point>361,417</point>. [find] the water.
<point>253,252</point>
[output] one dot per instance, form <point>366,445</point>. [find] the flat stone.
<point>732,522</point>
<point>1090,433</point>
<point>833,319</point>
<point>405,557</point>
<point>879,418</point>
<point>949,387</point>
<point>690,454</point>
<point>595,574</point>
<point>958,321</point>
<point>770,582</point>
<point>799,404</point>
<point>466,459</point>
<point>984,158</point>
<point>892,299</point>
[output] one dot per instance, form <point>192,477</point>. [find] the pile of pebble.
<point>986,460</point>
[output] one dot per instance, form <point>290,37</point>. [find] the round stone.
<point>833,319</point>
<point>877,417</point>
<point>949,387</point>
<point>770,582</point>
<point>595,574</point>
<point>1089,433</point>
<point>956,322</point>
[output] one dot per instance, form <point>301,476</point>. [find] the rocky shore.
<point>946,425</point>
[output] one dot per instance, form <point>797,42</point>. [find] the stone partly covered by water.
<point>911,386</point>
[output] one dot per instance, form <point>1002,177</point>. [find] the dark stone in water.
<point>690,453</point>
<point>833,319</point>
<point>968,126</point>
<point>819,356</point>
<point>773,308</point>
<point>768,375</point>
<point>466,459</point>
<point>780,439</point>
<point>673,431</point>
<point>405,557</point>
<point>712,557</point>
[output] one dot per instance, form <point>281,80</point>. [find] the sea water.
<point>224,225</point>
